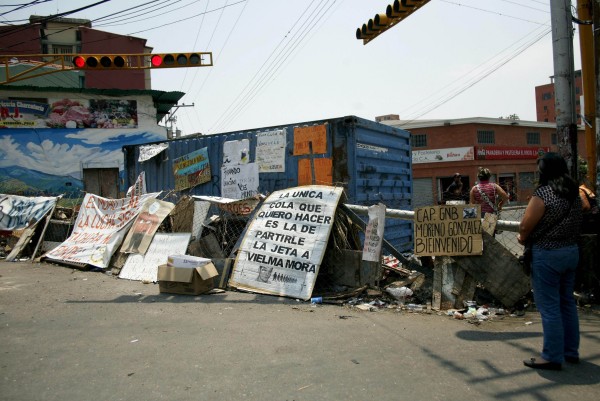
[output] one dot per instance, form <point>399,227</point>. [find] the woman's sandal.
<point>531,363</point>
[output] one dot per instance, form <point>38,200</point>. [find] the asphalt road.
<point>72,335</point>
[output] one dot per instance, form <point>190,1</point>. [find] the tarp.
<point>17,212</point>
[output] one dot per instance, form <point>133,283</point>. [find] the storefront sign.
<point>442,155</point>
<point>509,152</point>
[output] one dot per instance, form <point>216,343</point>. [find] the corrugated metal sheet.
<point>371,161</point>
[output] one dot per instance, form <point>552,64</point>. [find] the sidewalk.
<point>69,335</point>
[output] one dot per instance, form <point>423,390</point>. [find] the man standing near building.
<point>454,192</point>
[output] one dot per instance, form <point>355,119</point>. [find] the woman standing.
<point>551,224</point>
<point>488,194</point>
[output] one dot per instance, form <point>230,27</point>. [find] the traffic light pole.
<point>564,82</point>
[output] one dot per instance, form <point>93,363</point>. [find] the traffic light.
<point>93,62</point>
<point>394,13</point>
<point>175,60</point>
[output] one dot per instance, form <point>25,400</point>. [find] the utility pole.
<point>564,83</point>
<point>596,25</point>
<point>588,74</point>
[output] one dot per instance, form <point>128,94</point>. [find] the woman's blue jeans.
<point>553,279</point>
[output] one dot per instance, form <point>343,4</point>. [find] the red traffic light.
<point>78,61</point>
<point>156,60</point>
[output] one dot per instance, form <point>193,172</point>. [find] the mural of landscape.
<point>49,161</point>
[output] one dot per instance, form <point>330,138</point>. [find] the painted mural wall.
<point>45,143</point>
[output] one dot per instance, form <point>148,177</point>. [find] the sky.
<point>279,62</point>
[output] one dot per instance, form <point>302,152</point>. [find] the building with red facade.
<point>43,35</point>
<point>509,148</point>
<point>544,100</point>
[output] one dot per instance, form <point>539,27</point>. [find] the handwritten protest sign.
<point>191,169</point>
<point>270,151</point>
<point>99,229</point>
<point>239,181</point>
<point>284,245</point>
<point>448,230</point>
<point>374,233</point>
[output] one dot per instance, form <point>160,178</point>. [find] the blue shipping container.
<point>371,161</point>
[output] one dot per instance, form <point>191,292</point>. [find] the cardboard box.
<point>186,261</point>
<point>186,280</point>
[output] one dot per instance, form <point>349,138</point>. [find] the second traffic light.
<point>174,60</point>
<point>394,13</point>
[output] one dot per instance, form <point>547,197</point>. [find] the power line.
<point>313,23</point>
<point>491,12</point>
<point>479,78</point>
<point>25,5</point>
<point>274,66</point>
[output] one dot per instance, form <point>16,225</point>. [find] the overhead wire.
<point>45,19</point>
<point>115,21</point>
<point>267,74</point>
<point>477,79</point>
<point>489,11</point>
<point>263,64</point>
<point>268,79</point>
<point>22,6</point>
<point>217,55</point>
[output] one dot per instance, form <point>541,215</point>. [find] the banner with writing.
<point>191,169</point>
<point>99,229</point>
<point>17,212</point>
<point>284,244</point>
<point>448,230</point>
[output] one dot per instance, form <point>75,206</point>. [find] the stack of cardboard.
<point>185,274</point>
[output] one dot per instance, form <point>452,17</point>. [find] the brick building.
<point>509,148</point>
<point>43,35</point>
<point>544,99</point>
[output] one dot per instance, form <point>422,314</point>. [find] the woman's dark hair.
<point>484,174</point>
<point>554,173</point>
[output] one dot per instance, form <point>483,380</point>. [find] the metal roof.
<point>163,101</point>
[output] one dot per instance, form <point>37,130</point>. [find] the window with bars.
<point>419,140</point>
<point>486,137</point>
<point>533,138</point>
<point>63,49</point>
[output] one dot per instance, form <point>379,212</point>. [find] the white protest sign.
<point>283,248</point>
<point>99,229</point>
<point>145,267</point>
<point>239,181</point>
<point>270,151</point>
<point>374,233</point>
